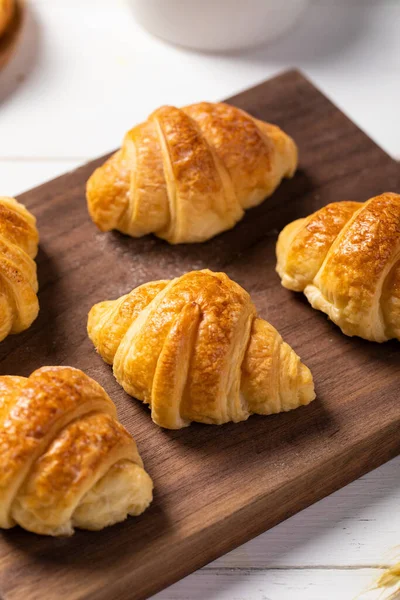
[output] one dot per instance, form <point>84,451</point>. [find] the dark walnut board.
<point>215,487</point>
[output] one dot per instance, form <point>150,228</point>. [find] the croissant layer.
<point>188,174</point>
<point>193,349</point>
<point>19,305</point>
<point>66,460</point>
<point>346,259</point>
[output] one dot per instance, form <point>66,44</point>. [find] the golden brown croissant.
<point>65,459</point>
<point>7,8</point>
<point>188,174</point>
<point>194,350</point>
<point>346,259</point>
<point>19,239</point>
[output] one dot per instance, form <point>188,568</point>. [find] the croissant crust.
<point>66,460</point>
<point>346,259</point>
<point>188,174</point>
<point>194,349</point>
<point>7,9</point>
<point>19,239</point>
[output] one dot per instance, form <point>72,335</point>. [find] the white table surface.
<point>83,75</point>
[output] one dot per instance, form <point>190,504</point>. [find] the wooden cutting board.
<point>215,487</point>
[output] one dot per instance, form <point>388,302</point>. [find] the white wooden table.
<point>83,74</point>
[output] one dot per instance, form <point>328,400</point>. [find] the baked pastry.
<point>11,22</point>
<point>194,349</point>
<point>7,8</point>
<point>66,460</point>
<point>346,259</point>
<point>188,174</point>
<point>19,239</point>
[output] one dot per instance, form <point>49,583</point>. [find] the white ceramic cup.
<point>217,24</point>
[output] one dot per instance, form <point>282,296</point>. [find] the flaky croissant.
<point>346,259</point>
<point>19,305</point>
<point>65,459</point>
<point>188,174</point>
<point>194,350</point>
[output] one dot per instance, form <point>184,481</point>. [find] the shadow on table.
<point>319,34</point>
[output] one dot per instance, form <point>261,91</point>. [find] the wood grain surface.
<point>215,487</point>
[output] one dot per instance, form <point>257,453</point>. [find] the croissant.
<point>7,8</point>
<point>66,460</point>
<point>188,174</point>
<point>194,349</point>
<point>19,305</point>
<point>346,259</point>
